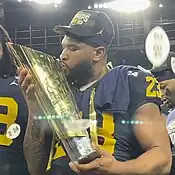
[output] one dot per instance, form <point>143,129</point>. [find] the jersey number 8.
<point>8,119</point>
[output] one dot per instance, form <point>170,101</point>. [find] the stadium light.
<point>47,1</point>
<point>100,5</point>
<point>89,7</point>
<point>129,6</point>
<point>43,1</point>
<point>160,5</point>
<point>96,6</point>
<point>126,6</point>
<point>105,5</point>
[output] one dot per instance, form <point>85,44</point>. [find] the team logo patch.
<point>13,131</point>
<point>157,46</point>
<point>80,18</point>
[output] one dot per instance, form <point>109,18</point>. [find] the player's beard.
<point>80,74</point>
<point>171,104</point>
<point>169,99</point>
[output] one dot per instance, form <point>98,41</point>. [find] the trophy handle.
<point>89,158</point>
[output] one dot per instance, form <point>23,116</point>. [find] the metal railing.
<point>127,34</point>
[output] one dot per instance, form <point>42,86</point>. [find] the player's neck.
<point>98,74</point>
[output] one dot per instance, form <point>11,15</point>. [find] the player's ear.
<point>99,53</point>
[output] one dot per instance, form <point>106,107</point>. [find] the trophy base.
<point>89,158</point>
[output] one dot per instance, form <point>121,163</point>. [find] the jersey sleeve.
<point>144,88</point>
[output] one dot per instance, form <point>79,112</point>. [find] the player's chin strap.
<point>92,112</point>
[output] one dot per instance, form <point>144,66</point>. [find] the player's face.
<point>168,89</point>
<point>77,61</point>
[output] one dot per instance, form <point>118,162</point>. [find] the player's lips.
<point>64,67</point>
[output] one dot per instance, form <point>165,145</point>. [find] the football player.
<point>132,137</point>
<point>13,115</point>
<point>166,77</point>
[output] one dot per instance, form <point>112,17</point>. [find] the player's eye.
<point>73,49</point>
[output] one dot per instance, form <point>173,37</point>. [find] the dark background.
<point>31,24</point>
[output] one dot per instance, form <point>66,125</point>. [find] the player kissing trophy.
<point>56,100</point>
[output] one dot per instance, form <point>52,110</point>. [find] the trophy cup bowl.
<point>55,99</point>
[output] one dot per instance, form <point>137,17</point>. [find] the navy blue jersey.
<point>13,122</point>
<point>117,96</point>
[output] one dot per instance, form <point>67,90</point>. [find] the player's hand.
<point>26,82</point>
<point>100,166</point>
<point>28,88</point>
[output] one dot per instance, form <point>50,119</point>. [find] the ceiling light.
<point>105,5</point>
<point>96,6</point>
<point>100,5</point>
<point>129,6</point>
<point>89,7</point>
<point>43,1</point>
<point>160,5</point>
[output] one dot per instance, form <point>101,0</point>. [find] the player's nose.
<point>64,55</point>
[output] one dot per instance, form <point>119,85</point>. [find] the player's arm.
<point>36,147</point>
<point>36,142</point>
<point>153,138</point>
<point>151,134</point>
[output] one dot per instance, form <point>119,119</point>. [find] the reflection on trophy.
<point>56,100</point>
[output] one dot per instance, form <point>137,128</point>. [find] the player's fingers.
<point>26,82</point>
<point>22,74</point>
<point>94,165</point>
<point>94,146</point>
<point>73,167</point>
<point>100,151</point>
<point>19,69</point>
<point>30,92</point>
